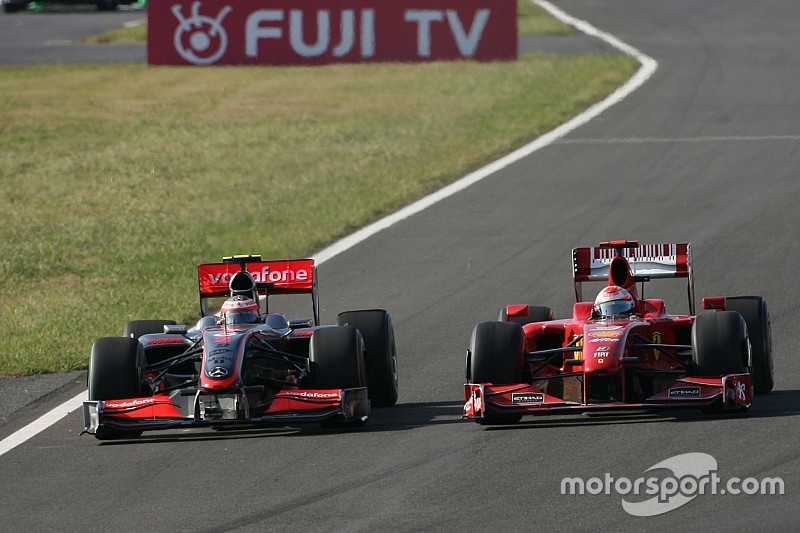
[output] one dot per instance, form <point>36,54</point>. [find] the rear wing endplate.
<point>286,276</point>
<point>647,262</point>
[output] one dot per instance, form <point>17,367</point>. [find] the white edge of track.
<point>646,70</point>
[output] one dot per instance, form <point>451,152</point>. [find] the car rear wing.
<point>647,262</point>
<point>286,276</point>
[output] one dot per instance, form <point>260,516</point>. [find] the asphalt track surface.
<point>706,151</point>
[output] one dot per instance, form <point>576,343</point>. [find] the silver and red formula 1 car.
<point>621,351</point>
<point>244,364</point>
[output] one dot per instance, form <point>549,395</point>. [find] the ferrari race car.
<point>243,365</point>
<point>622,351</point>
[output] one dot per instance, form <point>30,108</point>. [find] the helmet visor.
<point>614,307</point>
<point>241,317</point>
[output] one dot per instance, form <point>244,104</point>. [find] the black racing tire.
<point>136,328</point>
<point>107,5</point>
<point>536,313</point>
<point>495,356</point>
<point>375,326</point>
<point>720,344</point>
<point>756,315</point>
<point>13,8</point>
<point>336,355</point>
<point>116,372</point>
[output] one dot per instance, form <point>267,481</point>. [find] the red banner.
<point>315,32</point>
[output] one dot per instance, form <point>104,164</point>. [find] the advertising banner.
<point>317,32</point>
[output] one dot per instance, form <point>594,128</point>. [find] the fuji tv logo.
<point>200,39</point>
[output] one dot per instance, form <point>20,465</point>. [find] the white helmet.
<point>613,300</point>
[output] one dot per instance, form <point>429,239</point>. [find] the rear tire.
<point>116,372</point>
<point>376,329</point>
<point>136,328</point>
<point>756,315</point>
<point>495,356</point>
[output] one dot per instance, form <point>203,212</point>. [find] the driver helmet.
<point>613,300</point>
<point>240,310</point>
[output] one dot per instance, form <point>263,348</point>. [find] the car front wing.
<point>731,392</point>
<point>182,410</point>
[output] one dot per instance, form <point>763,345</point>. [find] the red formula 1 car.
<point>244,364</point>
<point>621,351</point>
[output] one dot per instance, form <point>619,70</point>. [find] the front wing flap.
<point>731,391</point>
<point>180,411</point>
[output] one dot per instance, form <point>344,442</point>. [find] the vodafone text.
<point>265,275</point>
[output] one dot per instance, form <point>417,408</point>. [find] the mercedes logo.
<point>218,372</point>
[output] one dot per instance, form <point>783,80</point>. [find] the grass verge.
<point>117,180</point>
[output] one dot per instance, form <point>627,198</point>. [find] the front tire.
<point>495,356</point>
<point>116,372</point>
<point>336,355</point>
<point>719,344</point>
<point>756,315</point>
<point>375,326</point>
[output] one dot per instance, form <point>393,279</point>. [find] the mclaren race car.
<point>622,350</point>
<point>243,365</point>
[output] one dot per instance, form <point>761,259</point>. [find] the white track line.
<point>42,423</point>
<point>648,67</point>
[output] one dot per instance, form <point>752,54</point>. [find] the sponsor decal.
<point>126,404</point>
<point>527,397</point>
<point>603,340</point>
<point>173,340</point>
<point>602,351</point>
<point>656,340</point>
<point>735,390</point>
<point>684,392</point>
<point>219,351</point>
<point>265,275</point>
<point>217,372</point>
<point>606,328</point>
<point>604,334</point>
<point>286,32</point>
<point>478,401</point>
<point>306,394</point>
<point>576,355</point>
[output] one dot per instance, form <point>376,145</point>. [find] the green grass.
<point>116,181</point>
<point>533,20</point>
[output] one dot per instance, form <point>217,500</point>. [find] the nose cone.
<point>603,347</point>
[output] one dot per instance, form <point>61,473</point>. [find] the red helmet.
<point>613,300</point>
<point>240,310</point>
